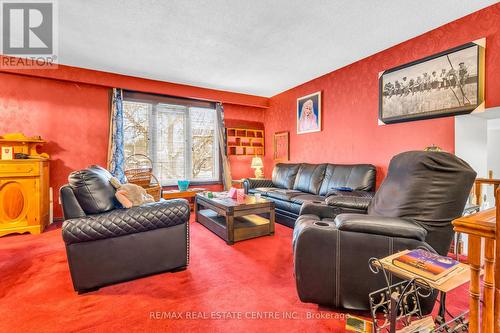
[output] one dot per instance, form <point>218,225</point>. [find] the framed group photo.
<point>445,84</point>
<point>309,113</point>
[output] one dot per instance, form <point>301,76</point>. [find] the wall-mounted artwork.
<point>281,147</point>
<point>444,84</point>
<point>309,113</point>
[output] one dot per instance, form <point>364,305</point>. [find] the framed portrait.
<point>445,84</point>
<point>281,147</point>
<point>309,113</point>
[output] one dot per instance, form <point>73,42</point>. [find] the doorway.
<point>477,141</point>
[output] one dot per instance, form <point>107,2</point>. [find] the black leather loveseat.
<point>106,245</point>
<point>295,184</point>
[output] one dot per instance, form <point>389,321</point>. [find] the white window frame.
<point>189,150</point>
<point>153,138</point>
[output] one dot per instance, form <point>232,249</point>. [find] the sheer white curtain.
<point>116,150</point>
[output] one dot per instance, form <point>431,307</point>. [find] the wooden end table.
<point>234,220</point>
<point>188,194</point>
<point>455,279</point>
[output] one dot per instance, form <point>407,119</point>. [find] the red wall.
<point>73,116</point>
<point>350,101</point>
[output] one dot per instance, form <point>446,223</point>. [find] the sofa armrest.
<point>355,194</point>
<point>70,206</point>
<point>380,225</point>
<point>349,199</point>
<point>120,222</point>
<point>321,210</point>
<point>249,183</point>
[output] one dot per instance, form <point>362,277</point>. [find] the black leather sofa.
<point>292,185</point>
<point>105,245</point>
<point>422,193</point>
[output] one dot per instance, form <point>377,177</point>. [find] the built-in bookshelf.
<point>245,141</point>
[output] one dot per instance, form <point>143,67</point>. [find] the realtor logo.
<point>29,32</point>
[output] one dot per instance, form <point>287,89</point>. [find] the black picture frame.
<point>386,118</point>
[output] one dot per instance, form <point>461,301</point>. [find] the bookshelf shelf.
<point>245,141</point>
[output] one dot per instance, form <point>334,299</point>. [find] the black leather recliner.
<point>105,245</point>
<point>422,193</point>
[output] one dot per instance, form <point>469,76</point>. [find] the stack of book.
<point>359,325</point>
<point>427,265</point>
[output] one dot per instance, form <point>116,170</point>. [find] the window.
<point>180,136</point>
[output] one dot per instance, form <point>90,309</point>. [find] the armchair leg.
<point>85,291</point>
<point>178,269</point>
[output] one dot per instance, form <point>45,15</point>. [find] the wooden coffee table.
<point>234,220</point>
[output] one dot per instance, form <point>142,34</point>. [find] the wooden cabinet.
<point>24,196</point>
<point>24,189</point>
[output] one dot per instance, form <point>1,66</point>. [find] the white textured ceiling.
<point>249,46</point>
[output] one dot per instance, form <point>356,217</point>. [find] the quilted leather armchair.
<point>106,245</point>
<point>414,206</point>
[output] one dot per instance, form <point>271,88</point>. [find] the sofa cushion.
<point>288,206</point>
<point>284,175</point>
<point>261,190</point>
<point>300,199</point>
<point>92,189</point>
<point>282,204</point>
<point>309,178</point>
<point>283,194</point>
<point>353,202</point>
<point>359,177</point>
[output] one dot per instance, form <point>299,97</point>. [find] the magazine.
<point>426,264</point>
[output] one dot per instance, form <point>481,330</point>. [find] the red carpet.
<point>250,279</point>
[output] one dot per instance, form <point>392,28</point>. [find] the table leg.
<point>196,210</point>
<point>475,287</point>
<point>272,220</point>
<point>496,282</point>
<point>458,238</point>
<point>442,306</point>
<point>393,312</point>
<point>488,285</point>
<point>230,229</point>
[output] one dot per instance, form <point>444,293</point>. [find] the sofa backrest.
<point>428,187</point>
<point>321,178</point>
<point>92,189</point>
<point>284,175</point>
<point>359,177</point>
<point>309,178</point>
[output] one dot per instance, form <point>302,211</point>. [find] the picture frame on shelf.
<point>309,113</point>
<point>281,146</point>
<point>7,153</point>
<point>445,84</point>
